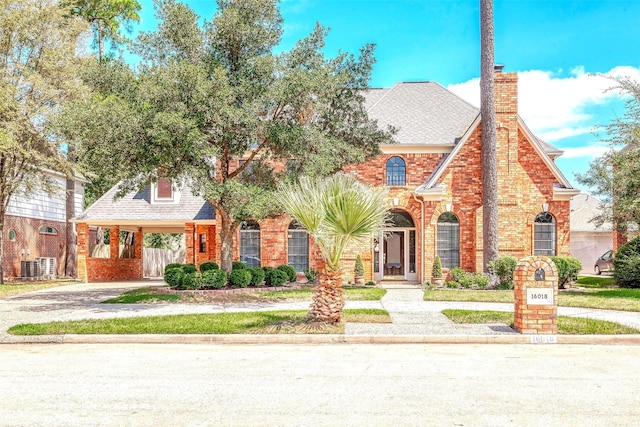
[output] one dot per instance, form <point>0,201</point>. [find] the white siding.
<point>44,206</point>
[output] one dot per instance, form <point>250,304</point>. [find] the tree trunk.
<point>488,116</point>
<point>328,298</point>
<point>2,250</point>
<point>226,241</point>
<point>71,239</point>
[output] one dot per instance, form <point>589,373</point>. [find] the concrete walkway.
<point>414,320</point>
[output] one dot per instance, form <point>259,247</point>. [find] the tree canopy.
<point>206,95</point>
<point>615,176</point>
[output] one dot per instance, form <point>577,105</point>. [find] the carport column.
<point>189,238</point>
<point>83,251</point>
<point>114,242</point>
<point>536,296</point>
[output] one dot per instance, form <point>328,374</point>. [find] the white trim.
<point>416,148</point>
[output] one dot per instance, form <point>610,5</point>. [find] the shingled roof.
<point>136,207</point>
<point>423,113</point>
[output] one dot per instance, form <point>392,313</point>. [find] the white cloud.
<point>591,152</point>
<point>555,106</point>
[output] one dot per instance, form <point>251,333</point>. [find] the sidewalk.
<point>413,320</point>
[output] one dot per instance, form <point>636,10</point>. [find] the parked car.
<point>604,263</point>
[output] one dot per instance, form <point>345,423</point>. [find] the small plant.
<point>171,266</point>
<point>452,284</point>
<point>209,265</point>
<point>290,272</point>
<point>189,268</point>
<point>503,267</point>
<point>311,274</point>
<point>436,271</point>
<point>358,270</point>
<point>257,276</point>
<point>370,283</point>
<point>276,277</point>
<point>238,265</point>
<point>173,277</point>
<point>214,279</point>
<point>240,278</point>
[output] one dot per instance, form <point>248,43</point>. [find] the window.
<point>544,234</point>
<point>448,240</point>
<point>12,235</point>
<point>298,247</point>
<point>164,189</point>
<point>250,243</point>
<point>48,230</point>
<point>203,243</point>
<point>396,171</point>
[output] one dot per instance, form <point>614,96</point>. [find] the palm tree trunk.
<point>328,298</point>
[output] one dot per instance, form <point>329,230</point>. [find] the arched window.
<point>250,243</point>
<point>12,235</point>
<point>449,240</point>
<point>544,234</point>
<point>298,247</point>
<point>48,230</point>
<point>396,171</point>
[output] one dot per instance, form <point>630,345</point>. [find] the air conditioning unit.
<point>30,268</point>
<point>47,267</point>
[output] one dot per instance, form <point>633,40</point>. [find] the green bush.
<point>290,272</point>
<point>189,268</point>
<point>311,274</point>
<point>436,271</point>
<point>452,284</point>
<point>370,283</point>
<point>467,280</point>
<point>257,276</point>
<point>626,264</point>
<point>275,277</point>
<point>171,266</point>
<point>209,265</point>
<point>240,278</point>
<point>173,277</point>
<point>575,265</point>
<point>503,267</point>
<point>238,265</point>
<point>358,269</point>
<point>214,279</point>
<point>191,281</point>
<point>568,269</point>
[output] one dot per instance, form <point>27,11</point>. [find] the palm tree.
<point>337,211</point>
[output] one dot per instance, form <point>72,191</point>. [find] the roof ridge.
<point>382,97</point>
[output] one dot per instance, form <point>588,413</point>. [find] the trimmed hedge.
<point>214,279</point>
<point>568,269</point>
<point>191,281</point>
<point>238,265</point>
<point>257,276</point>
<point>172,265</point>
<point>275,277</point>
<point>626,264</point>
<point>173,277</point>
<point>209,265</point>
<point>290,272</point>
<point>189,268</point>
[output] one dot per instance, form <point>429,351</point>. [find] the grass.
<point>469,295</point>
<point>266,322</point>
<point>596,282</point>
<point>17,288</point>
<point>566,325</point>
<point>150,295</point>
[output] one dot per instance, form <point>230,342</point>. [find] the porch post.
<point>83,251</point>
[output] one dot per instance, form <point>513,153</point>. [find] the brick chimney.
<point>506,99</point>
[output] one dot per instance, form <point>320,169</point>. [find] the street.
<point>319,385</point>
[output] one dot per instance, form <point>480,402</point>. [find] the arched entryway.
<point>394,256</point>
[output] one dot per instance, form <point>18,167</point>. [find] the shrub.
<point>370,283</point>
<point>503,267</point>
<point>257,276</point>
<point>290,271</point>
<point>238,265</point>
<point>191,281</point>
<point>240,278</point>
<point>358,269</point>
<point>467,280</point>
<point>275,277</point>
<point>562,265</point>
<point>189,268</point>
<point>436,271</point>
<point>452,284</point>
<point>214,279</point>
<point>173,277</point>
<point>626,264</point>
<point>171,266</point>
<point>209,265</point>
<point>575,265</point>
<point>311,274</point>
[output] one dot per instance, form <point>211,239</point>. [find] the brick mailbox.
<point>536,296</point>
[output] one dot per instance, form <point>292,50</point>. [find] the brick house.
<point>434,176</point>
<point>35,228</point>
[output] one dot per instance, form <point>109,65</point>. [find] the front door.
<point>393,266</point>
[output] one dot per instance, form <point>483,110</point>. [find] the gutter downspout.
<point>421,237</point>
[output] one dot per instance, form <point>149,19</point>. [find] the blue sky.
<point>558,48</point>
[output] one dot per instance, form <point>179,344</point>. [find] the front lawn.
<point>566,325</point>
<point>265,322</point>
<point>9,289</point>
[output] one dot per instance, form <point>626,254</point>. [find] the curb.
<point>300,339</point>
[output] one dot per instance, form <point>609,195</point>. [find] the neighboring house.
<point>588,241</point>
<point>35,227</point>
<point>434,176</point>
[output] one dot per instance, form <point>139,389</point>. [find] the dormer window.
<point>163,189</point>
<point>396,171</point>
